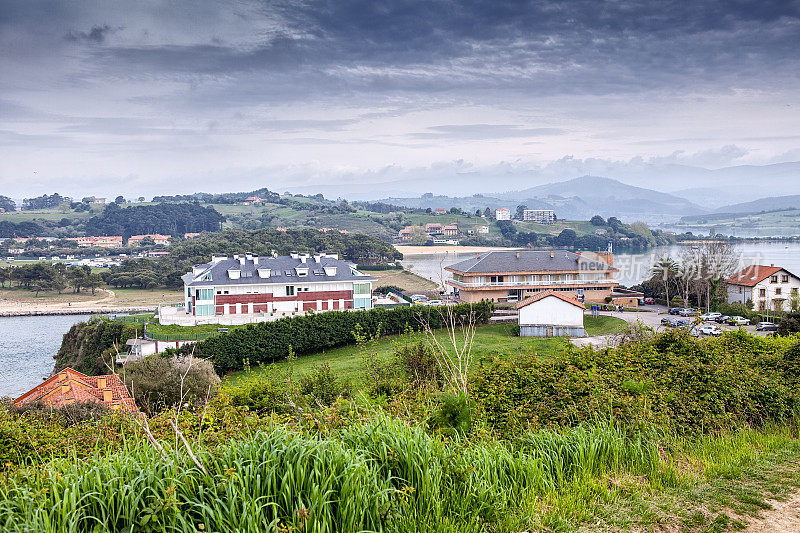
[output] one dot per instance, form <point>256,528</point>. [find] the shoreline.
<point>43,311</point>
<point>409,250</point>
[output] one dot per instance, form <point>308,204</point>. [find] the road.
<point>651,318</point>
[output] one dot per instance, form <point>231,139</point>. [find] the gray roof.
<point>529,261</point>
<point>282,270</point>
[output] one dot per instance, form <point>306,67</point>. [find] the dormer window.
<point>302,271</point>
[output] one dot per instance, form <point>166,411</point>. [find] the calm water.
<point>27,347</point>
<point>633,268</point>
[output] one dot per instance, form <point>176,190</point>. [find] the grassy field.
<point>141,297</point>
<point>406,280</point>
<point>603,325</point>
<point>24,296</point>
<point>496,340</point>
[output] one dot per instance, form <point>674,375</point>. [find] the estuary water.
<point>27,347</point>
<point>633,268</point>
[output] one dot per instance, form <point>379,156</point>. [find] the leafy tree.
<point>119,200</point>
<point>76,277</point>
<point>507,228</point>
<point>566,238</point>
<point>7,204</point>
<point>43,202</point>
<point>597,220</point>
<point>520,214</point>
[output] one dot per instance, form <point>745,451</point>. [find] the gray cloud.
<point>380,84</point>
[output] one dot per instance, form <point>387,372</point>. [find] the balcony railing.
<point>533,283</point>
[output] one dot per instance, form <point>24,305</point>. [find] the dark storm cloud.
<point>96,35</point>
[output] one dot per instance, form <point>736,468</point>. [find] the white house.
<point>540,216</point>
<point>502,214</point>
<point>551,314</point>
<point>768,287</point>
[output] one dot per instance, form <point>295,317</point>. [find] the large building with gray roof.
<point>275,286</point>
<point>511,276</point>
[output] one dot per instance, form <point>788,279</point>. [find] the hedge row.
<point>266,342</point>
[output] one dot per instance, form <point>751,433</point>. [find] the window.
<point>794,291</point>
<point>762,306</point>
<point>203,310</point>
<point>762,292</point>
<point>773,279</point>
<point>785,278</point>
<point>290,290</point>
<point>361,288</point>
<point>495,279</point>
<point>777,291</point>
<point>205,294</point>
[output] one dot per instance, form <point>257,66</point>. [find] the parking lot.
<point>651,316</point>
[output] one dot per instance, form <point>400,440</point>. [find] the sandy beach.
<point>409,250</point>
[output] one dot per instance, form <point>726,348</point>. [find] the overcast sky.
<point>151,97</point>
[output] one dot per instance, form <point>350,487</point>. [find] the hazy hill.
<point>589,195</point>
<point>770,203</point>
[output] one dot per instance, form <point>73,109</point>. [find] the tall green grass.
<point>381,475</point>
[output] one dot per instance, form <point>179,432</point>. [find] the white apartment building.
<point>540,216</point>
<point>502,214</point>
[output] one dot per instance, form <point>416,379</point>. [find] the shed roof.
<point>544,294</point>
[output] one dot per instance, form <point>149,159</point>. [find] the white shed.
<point>551,314</point>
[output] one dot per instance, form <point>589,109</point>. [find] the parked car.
<point>686,311</point>
<point>674,310</point>
<point>418,298</point>
<point>670,321</point>
<point>649,301</point>
<point>710,329</point>
<point>722,319</point>
<point>766,326</point>
<point>710,316</point>
<point>738,321</point>
<point>694,332</point>
<point>435,302</point>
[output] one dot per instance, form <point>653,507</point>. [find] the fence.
<point>133,319</point>
<point>178,337</point>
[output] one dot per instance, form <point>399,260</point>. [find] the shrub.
<point>419,363</point>
<point>670,379</point>
<point>157,383</point>
<point>323,385</point>
<point>455,412</point>
<point>267,342</point>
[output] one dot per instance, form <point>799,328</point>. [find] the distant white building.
<point>502,214</point>
<point>768,287</point>
<point>540,216</point>
<point>482,229</point>
<point>551,314</point>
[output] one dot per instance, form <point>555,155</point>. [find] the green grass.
<point>496,340</point>
<point>379,473</point>
<point>603,325</point>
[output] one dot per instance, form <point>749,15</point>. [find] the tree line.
<point>169,219</point>
<point>39,277</point>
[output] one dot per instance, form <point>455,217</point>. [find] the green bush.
<point>455,412</point>
<point>159,383</point>
<point>322,385</point>
<point>671,380</point>
<point>267,342</point>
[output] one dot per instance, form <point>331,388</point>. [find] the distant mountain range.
<point>578,198</point>
<point>770,203</point>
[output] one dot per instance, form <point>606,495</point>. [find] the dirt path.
<point>784,517</point>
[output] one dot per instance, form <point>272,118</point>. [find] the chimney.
<point>772,264</point>
<point>477,256</point>
<point>107,395</point>
<point>517,254</point>
<point>241,260</point>
<point>552,255</point>
<point>101,383</point>
<point>255,260</point>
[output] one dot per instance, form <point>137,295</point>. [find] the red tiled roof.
<point>752,275</point>
<point>544,294</point>
<point>70,386</point>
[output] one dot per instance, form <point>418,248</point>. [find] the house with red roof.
<point>70,387</point>
<point>768,287</point>
<point>551,314</point>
